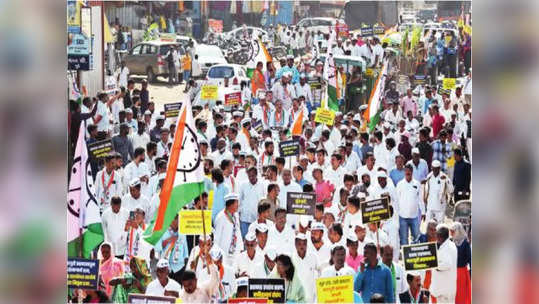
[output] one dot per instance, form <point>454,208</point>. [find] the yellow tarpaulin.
<point>106,30</point>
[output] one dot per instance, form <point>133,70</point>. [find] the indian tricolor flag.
<point>374,109</point>
<point>184,178</point>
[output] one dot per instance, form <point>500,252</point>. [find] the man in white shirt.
<point>281,235</point>
<point>248,259</point>
<point>134,199</point>
<point>338,256</point>
<point>114,220</point>
<point>221,152</point>
<point>377,51</point>
<point>438,188</point>
<point>444,278</point>
<point>101,118</point>
<point>265,269</point>
<point>335,173</point>
<point>304,89</point>
<point>262,110</point>
<point>163,285</point>
<point>409,204</point>
<point>287,185</point>
<point>283,90</point>
<point>137,168</point>
<point>250,193</point>
<point>162,146</point>
<point>383,185</point>
<point>368,168</point>
<point>227,234</point>
<point>108,183</point>
<point>318,245</point>
<point>307,266</point>
<point>122,75</point>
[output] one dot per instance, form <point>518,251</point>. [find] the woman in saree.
<point>132,282</point>
<point>109,266</point>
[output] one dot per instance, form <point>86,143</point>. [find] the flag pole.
<point>204,238</point>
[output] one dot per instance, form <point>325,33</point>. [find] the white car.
<point>234,72</point>
<point>253,32</point>
<point>319,24</point>
<point>209,55</point>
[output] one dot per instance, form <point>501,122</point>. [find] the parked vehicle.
<point>319,24</point>
<point>209,55</point>
<point>148,58</point>
<point>234,72</point>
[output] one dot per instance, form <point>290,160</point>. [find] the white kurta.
<point>224,232</point>
<point>204,291</point>
<point>156,289</point>
<point>282,241</point>
<point>113,228</point>
<point>130,203</point>
<point>246,265</point>
<point>323,254</point>
<point>102,181</point>
<point>444,278</point>
<point>331,271</point>
<point>308,272</point>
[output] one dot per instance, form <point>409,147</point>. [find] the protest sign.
<point>378,30</point>
<point>420,79</point>
<point>82,273</point>
<point>247,301</point>
<point>300,203</point>
<point>79,62</point>
<point>191,222</point>
<point>209,92</point>
<point>78,44</point>
<point>420,256</point>
<point>375,210</point>
<point>325,116</point>
<point>137,298</point>
<point>258,126</point>
<point>100,149</point>
<point>449,83</point>
<point>233,98</point>
<point>366,31</point>
<point>172,109</point>
<point>289,148</point>
<point>271,289</point>
<point>335,289</point>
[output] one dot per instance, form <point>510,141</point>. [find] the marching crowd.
<point>418,155</point>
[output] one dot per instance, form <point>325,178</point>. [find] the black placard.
<point>271,289</point>
<point>82,273</point>
<point>289,148</point>
<point>420,256</point>
<point>172,109</point>
<point>100,149</point>
<point>366,31</point>
<point>375,210</point>
<point>300,203</point>
<point>258,126</point>
<point>78,62</point>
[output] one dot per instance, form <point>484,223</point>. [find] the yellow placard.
<point>449,83</point>
<point>191,222</point>
<point>325,116</point>
<point>369,72</point>
<point>335,289</point>
<point>209,92</point>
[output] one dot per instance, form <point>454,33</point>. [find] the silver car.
<point>148,58</point>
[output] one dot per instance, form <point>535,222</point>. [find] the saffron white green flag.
<point>372,114</point>
<point>184,178</point>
